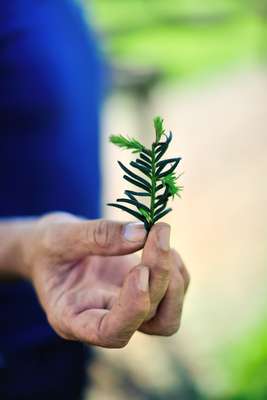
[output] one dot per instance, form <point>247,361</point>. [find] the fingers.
<point>167,320</point>
<point>114,328</point>
<point>182,268</point>
<point>99,237</point>
<point>156,255</point>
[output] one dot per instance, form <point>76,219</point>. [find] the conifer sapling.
<point>155,176</point>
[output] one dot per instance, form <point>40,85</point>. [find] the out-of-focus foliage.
<point>245,365</point>
<point>182,38</point>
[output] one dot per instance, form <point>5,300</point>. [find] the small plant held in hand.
<point>157,180</point>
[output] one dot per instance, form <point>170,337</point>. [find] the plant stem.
<point>153,184</point>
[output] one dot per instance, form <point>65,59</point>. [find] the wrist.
<point>14,254</point>
<point>24,246</point>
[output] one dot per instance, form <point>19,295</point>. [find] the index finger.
<point>156,256</point>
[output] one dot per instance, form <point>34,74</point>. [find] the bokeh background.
<point>201,65</point>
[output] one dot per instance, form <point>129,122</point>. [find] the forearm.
<point>13,237</point>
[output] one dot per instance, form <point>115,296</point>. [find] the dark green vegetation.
<point>158,181</point>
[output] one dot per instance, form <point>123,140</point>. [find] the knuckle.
<point>120,343</point>
<point>162,270</point>
<point>181,267</point>
<point>109,337</point>
<point>103,234</point>
<point>152,313</point>
<point>141,307</point>
<point>164,255</point>
<point>168,328</point>
<point>171,329</point>
<point>113,342</point>
<point>176,258</point>
<point>185,277</point>
<point>177,284</point>
<point>139,310</point>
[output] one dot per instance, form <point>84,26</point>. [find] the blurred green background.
<point>202,66</point>
<point>183,38</point>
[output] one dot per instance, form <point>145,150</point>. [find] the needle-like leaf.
<point>160,181</point>
<point>141,168</point>
<point>126,143</point>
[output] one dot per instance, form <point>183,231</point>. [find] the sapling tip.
<point>155,177</point>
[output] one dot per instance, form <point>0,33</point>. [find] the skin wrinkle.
<point>59,278</point>
<point>160,320</point>
<point>96,298</point>
<point>69,277</point>
<point>99,326</point>
<point>118,336</point>
<point>161,281</point>
<point>70,297</point>
<point>102,235</point>
<point>55,238</point>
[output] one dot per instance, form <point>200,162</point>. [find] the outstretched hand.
<point>91,286</point>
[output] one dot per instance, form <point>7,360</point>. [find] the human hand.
<point>92,291</point>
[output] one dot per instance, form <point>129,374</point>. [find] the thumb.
<point>101,237</point>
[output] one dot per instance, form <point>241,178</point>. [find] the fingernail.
<point>134,232</point>
<point>143,279</point>
<point>164,238</point>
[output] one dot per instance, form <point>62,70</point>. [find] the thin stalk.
<point>153,184</point>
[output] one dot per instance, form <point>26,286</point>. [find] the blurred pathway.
<point>220,224</point>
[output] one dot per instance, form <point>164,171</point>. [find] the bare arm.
<point>13,235</point>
